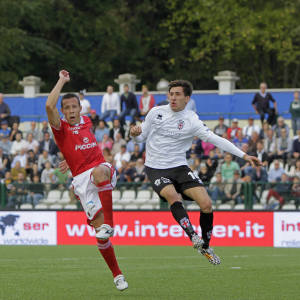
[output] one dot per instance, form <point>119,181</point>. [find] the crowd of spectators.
<point>29,159</point>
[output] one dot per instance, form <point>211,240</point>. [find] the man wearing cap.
<point>94,118</point>
<point>4,128</point>
<point>85,104</point>
<point>247,130</point>
<point>233,130</point>
<point>221,128</point>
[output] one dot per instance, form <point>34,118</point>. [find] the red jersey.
<point>78,145</point>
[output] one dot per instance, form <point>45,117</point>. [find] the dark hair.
<point>69,96</point>
<point>186,85</point>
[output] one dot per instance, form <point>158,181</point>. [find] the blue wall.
<point>213,105</point>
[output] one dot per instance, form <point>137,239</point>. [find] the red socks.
<point>107,251</point>
<point>106,201</point>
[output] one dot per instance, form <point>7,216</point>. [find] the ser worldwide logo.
<point>27,228</point>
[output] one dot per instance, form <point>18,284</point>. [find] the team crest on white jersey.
<point>180,124</point>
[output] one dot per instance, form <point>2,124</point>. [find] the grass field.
<point>78,272</point>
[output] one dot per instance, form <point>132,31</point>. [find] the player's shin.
<point>107,251</point>
<point>106,201</point>
<point>206,224</point>
<point>182,218</point>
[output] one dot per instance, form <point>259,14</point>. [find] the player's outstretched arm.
<point>254,161</point>
<point>227,146</point>
<point>52,111</point>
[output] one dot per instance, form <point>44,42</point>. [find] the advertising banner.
<point>159,228</point>
<point>287,229</point>
<point>27,228</point>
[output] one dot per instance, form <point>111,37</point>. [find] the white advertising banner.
<point>287,229</point>
<point>28,228</point>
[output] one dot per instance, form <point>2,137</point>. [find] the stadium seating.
<point>239,207</point>
<point>258,206</point>
<point>65,198</point>
<point>70,206</point>
<point>26,206</point>
<point>155,198</point>
<point>131,206</point>
<point>53,196</point>
<point>128,197</point>
<point>41,206</point>
<point>193,206</point>
<point>225,206</point>
<point>289,206</point>
<point>116,196</point>
<point>147,207</point>
<point>142,197</point>
<point>117,206</point>
<point>55,206</point>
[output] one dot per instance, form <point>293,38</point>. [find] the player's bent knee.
<point>206,206</point>
<point>100,174</point>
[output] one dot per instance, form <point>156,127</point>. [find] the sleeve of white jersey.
<point>206,135</point>
<point>146,126</point>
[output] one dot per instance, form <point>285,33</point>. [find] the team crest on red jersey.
<point>180,124</point>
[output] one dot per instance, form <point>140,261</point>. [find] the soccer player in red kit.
<point>93,178</point>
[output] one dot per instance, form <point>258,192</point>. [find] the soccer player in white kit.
<point>93,178</point>
<point>168,131</point>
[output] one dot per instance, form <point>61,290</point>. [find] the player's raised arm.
<point>52,111</point>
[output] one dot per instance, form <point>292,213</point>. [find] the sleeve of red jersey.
<point>58,132</point>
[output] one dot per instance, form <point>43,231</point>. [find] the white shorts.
<point>88,193</point>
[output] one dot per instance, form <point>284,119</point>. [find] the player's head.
<point>180,92</point>
<point>70,107</point>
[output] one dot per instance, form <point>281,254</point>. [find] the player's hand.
<point>64,75</point>
<point>253,160</point>
<point>135,130</point>
<point>63,166</point>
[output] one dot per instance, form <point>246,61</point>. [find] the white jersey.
<point>169,136</point>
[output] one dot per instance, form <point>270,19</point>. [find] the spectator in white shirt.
<point>47,175</point>
<point>37,135</point>
<point>85,104</point>
<point>247,130</point>
<point>43,158</point>
<point>110,106</point>
<point>122,155</point>
<point>21,157</point>
<point>32,144</point>
<point>18,144</point>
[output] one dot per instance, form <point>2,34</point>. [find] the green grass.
<point>78,272</point>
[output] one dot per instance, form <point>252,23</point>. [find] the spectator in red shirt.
<point>232,131</point>
<point>146,102</point>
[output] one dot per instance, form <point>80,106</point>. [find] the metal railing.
<point>267,196</point>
